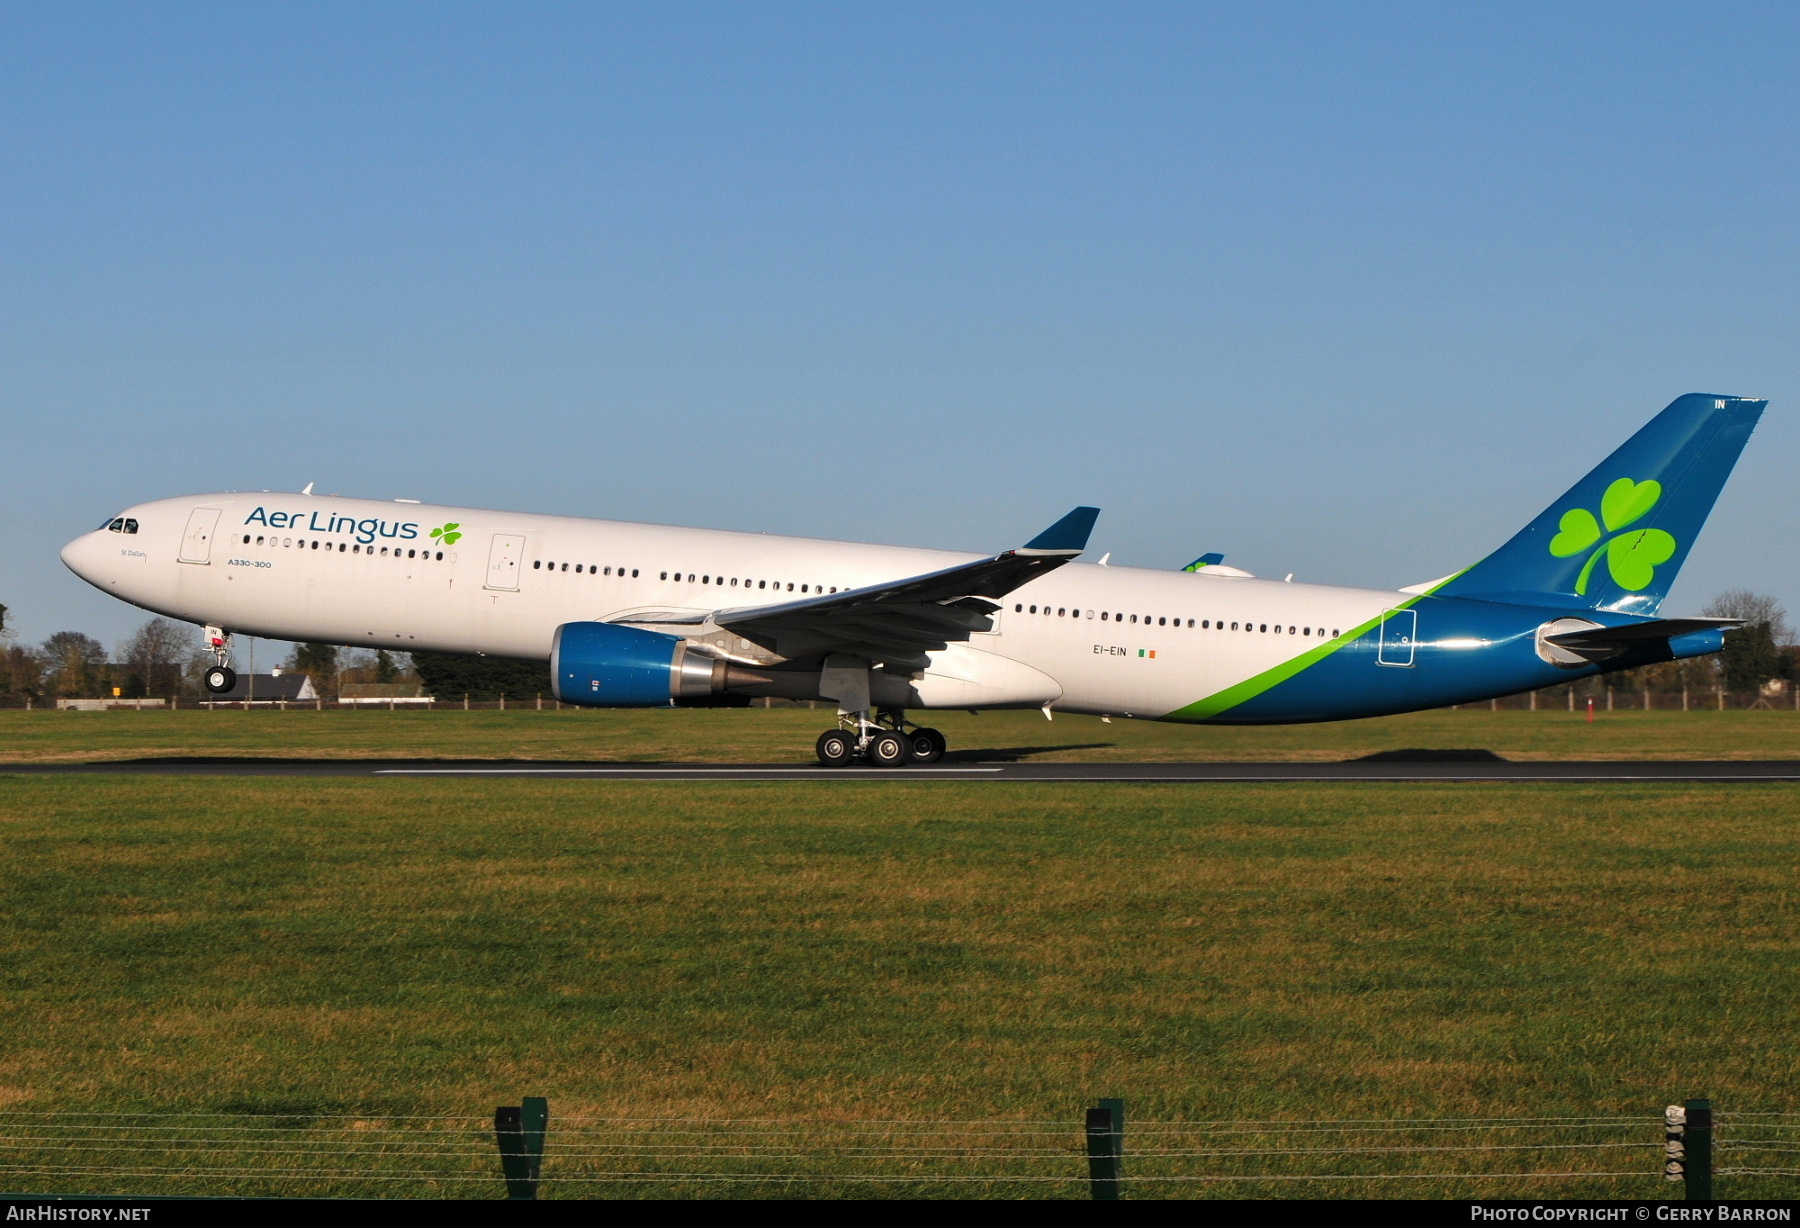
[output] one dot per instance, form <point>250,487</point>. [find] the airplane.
<point>640,615</point>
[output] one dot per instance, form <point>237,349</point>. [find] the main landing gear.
<point>219,678</point>
<point>888,741</point>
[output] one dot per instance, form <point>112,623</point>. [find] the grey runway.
<point>1378,770</point>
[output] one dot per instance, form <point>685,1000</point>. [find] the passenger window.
<point>1334,633</point>
<point>537,564</point>
<point>1205,624</point>
<point>1234,626</point>
<point>762,584</point>
<point>1102,615</point>
<point>1162,622</point>
<point>259,541</point>
<point>440,554</point>
<point>1290,631</point>
<point>1034,609</point>
<point>634,572</point>
<point>1134,618</point>
<point>1277,628</point>
<point>1061,612</point>
<point>834,588</point>
<point>1265,628</point>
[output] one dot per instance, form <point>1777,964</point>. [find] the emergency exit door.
<point>503,561</point>
<point>196,543</point>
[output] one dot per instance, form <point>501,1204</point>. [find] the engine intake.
<point>605,665</point>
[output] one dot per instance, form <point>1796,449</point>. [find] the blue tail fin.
<point>1617,538</point>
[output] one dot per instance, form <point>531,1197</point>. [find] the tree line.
<point>164,659</point>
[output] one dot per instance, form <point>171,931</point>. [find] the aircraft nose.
<point>82,555</point>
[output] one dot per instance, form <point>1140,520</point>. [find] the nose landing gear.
<point>888,741</point>
<point>219,678</point>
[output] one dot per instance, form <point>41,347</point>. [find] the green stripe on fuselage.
<point>1242,692</point>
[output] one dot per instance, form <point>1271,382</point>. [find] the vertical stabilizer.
<point>1617,539</point>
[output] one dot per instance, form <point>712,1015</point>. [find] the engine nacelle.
<point>605,665</point>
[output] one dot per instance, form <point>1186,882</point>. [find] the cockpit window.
<point>131,526</point>
<point>117,526</point>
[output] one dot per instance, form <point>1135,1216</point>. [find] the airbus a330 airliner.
<point>633,615</point>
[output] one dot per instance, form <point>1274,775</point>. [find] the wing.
<point>901,621</point>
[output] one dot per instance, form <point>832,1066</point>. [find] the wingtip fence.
<point>277,1153</point>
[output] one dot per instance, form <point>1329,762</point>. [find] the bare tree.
<point>1752,653</point>
<point>1753,608</point>
<point>155,654</point>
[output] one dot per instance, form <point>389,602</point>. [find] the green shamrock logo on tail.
<point>1632,558</point>
<point>448,535</point>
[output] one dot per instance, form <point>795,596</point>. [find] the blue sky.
<point>1346,291</point>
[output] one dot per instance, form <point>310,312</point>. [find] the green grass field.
<point>786,735</point>
<point>797,952</point>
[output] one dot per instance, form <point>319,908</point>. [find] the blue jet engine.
<point>610,666</point>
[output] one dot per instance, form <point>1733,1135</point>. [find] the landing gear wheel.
<point>887,749</point>
<point>836,748</point>
<point>926,745</point>
<point>220,679</point>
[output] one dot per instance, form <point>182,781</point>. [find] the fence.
<point>1554,700</point>
<point>524,1150</point>
<point>185,703</point>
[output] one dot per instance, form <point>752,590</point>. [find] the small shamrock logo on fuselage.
<point>1631,558</point>
<point>448,535</point>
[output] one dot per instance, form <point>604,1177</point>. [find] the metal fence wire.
<point>1755,1154</point>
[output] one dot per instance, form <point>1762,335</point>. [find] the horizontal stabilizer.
<point>1579,641</point>
<point>1632,634</point>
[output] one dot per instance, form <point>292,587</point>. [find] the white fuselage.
<point>1103,640</point>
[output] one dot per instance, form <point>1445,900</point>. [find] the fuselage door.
<point>196,543</point>
<point>1398,631</point>
<point>503,561</point>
